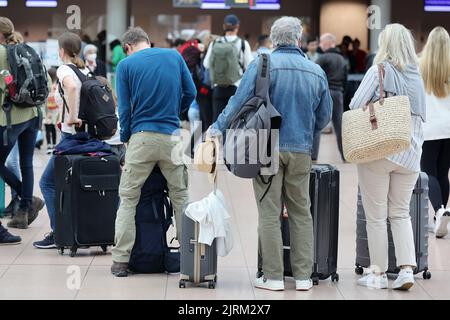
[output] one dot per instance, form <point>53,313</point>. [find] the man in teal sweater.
<point>154,86</point>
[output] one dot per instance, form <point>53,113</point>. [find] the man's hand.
<point>213,133</point>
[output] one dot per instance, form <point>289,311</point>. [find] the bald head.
<point>327,42</point>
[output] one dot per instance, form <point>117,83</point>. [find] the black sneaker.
<point>7,238</point>
<point>47,243</point>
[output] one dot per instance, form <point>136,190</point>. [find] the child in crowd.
<point>52,114</point>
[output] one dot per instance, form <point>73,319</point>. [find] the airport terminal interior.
<point>32,274</point>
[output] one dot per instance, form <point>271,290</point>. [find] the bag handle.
<point>381,75</point>
<point>373,117</point>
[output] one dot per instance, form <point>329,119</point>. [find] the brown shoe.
<point>119,269</point>
<point>20,220</point>
<point>37,205</point>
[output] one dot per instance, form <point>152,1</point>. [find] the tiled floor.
<point>27,273</point>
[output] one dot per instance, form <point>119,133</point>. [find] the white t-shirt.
<point>437,126</point>
<point>63,72</point>
<point>246,57</point>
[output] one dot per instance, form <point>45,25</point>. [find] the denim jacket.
<point>298,90</point>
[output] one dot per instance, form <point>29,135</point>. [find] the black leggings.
<point>436,163</point>
<point>50,131</point>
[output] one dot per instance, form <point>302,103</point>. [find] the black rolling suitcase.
<point>419,220</point>
<point>324,193</point>
<point>86,201</point>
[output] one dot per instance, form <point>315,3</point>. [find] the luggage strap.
<point>269,183</point>
<point>7,107</point>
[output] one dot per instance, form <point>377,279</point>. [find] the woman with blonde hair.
<point>19,125</point>
<point>435,70</point>
<point>387,184</point>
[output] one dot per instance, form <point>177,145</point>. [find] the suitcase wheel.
<point>211,285</point>
<point>315,281</point>
<point>73,252</point>
<point>335,277</point>
<point>427,275</point>
<point>259,274</point>
<point>359,270</point>
<point>61,251</point>
<point>182,284</point>
<point>104,249</point>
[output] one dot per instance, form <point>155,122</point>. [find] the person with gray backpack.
<point>300,95</point>
<point>24,89</point>
<point>227,59</point>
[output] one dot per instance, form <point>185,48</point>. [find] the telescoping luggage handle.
<point>373,117</point>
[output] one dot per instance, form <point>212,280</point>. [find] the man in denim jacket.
<point>299,91</point>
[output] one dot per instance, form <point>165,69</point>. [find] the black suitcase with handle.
<point>86,201</point>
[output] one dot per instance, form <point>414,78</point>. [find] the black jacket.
<point>335,67</point>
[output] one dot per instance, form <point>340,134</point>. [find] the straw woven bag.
<point>378,130</point>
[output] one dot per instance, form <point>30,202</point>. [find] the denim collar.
<point>289,49</point>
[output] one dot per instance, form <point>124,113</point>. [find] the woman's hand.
<point>76,122</point>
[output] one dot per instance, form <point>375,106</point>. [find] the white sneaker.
<point>404,281</point>
<point>432,227</point>
<point>374,281</point>
<point>303,285</point>
<point>442,220</point>
<point>266,284</point>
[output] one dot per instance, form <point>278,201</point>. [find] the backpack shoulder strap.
<point>242,55</point>
<point>78,72</point>
<point>263,77</point>
<point>242,45</point>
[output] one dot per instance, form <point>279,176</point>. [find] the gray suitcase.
<point>198,261</point>
<point>419,219</point>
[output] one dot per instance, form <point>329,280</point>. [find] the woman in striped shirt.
<point>387,185</point>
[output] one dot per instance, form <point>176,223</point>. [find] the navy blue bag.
<point>151,252</point>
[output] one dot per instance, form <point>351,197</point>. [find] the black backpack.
<point>151,252</point>
<point>97,106</point>
<point>29,74</point>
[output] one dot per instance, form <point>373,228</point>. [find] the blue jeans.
<point>13,165</point>
<point>25,134</point>
<point>47,185</point>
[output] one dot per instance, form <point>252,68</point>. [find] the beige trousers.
<point>386,191</point>
<point>145,150</point>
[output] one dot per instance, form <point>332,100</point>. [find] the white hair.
<point>286,31</point>
<point>330,37</point>
<point>396,45</point>
<point>89,47</point>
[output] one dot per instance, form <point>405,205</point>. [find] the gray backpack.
<point>225,62</point>
<point>248,146</point>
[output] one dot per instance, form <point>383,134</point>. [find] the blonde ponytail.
<point>78,62</point>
